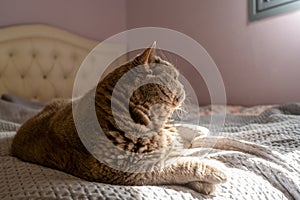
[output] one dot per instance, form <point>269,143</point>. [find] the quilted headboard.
<point>39,62</point>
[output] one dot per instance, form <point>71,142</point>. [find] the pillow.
<point>21,101</point>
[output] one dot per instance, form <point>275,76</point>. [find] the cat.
<point>51,139</point>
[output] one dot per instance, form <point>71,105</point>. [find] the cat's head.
<point>157,91</point>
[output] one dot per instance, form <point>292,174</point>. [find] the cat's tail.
<point>230,144</point>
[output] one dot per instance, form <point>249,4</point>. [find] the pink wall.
<point>259,62</point>
<point>97,19</point>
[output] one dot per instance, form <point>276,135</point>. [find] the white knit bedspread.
<point>249,177</point>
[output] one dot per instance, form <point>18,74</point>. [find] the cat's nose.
<point>179,97</point>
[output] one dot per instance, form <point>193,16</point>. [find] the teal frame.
<point>259,9</point>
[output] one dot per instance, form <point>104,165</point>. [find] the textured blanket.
<point>249,176</point>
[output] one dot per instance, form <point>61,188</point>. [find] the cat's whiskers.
<point>179,111</point>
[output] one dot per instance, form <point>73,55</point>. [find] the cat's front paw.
<point>211,171</point>
<point>202,187</point>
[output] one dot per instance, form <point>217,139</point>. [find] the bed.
<point>38,63</point>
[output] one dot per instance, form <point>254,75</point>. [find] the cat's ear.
<point>148,56</point>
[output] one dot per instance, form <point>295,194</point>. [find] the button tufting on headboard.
<point>40,62</point>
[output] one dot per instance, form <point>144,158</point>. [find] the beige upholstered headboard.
<point>39,62</point>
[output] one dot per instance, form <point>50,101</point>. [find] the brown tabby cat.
<point>51,139</point>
